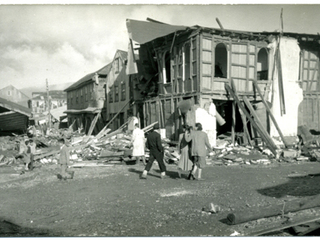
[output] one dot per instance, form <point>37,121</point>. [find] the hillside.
<point>28,91</point>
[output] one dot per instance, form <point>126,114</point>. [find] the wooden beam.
<point>269,143</point>
<point>273,210</point>
<point>219,23</point>
<point>280,227</point>
<point>270,113</point>
<point>233,122</point>
<point>93,124</point>
<point>256,118</point>
<point>114,117</point>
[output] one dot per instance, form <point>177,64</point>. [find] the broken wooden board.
<point>50,153</point>
<point>94,164</point>
<point>251,214</point>
<point>283,226</point>
<point>265,137</point>
<point>306,228</point>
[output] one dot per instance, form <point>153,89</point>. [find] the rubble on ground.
<point>114,147</point>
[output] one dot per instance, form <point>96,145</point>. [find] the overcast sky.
<point>62,43</point>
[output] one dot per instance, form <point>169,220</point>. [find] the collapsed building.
<point>14,118</point>
<point>273,75</point>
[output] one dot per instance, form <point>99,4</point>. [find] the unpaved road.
<point>113,201</point>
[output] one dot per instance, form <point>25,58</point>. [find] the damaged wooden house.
<point>261,84</point>
<point>119,96</point>
<point>14,118</point>
<point>86,102</point>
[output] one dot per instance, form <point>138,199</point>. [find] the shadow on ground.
<point>170,174</point>
<point>296,186</point>
<point>9,229</point>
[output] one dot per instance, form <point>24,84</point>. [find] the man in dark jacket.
<point>156,152</point>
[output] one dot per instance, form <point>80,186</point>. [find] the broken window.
<point>262,64</point>
<point>309,70</point>
<point>221,61</point>
<point>111,95</point>
<point>123,91</point>
<point>116,94</point>
<point>166,63</point>
<point>186,62</point>
<point>117,65</point>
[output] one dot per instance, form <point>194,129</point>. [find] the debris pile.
<point>115,147</point>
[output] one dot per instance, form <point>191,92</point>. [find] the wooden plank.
<point>93,123</point>
<point>149,127</point>
<point>303,230</point>
<point>255,125</point>
<point>270,113</point>
<point>114,117</point>
<point>233,122</point>
<point>247,68</point>
<point>251,214</point>
<point>265,135</point>
<point>282,227</point>
<point>280,81</point>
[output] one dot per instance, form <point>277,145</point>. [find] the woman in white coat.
<point>138,142</point>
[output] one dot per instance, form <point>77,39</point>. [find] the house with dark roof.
<point>14,95</point>
<point>86,100</point>
<point>14,118</point>
<point>184,66</point>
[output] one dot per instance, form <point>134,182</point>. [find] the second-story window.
<point>186,61</point>
<point>91,92</point>
<point>221,61</point>
<point>262,64</point>
<point>117,65</point>
<point>166,65</point>
<point>116,93</point>
<point>111,95</point>
<point>123,91</point>
<point>86,93</point>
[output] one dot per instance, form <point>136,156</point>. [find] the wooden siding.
<point>309,72</point>
<point>309,108</point>
<point>309,111</point>
<point>13,121</point>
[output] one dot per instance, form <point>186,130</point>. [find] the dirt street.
<point>113,201</point>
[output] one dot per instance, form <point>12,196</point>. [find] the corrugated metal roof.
<point>142,32</point>
<point>15,107</point>
<point>89,77</point>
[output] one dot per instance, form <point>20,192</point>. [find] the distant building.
<point>39,101</point>
<point>12,94</point>
<point>86,99</point>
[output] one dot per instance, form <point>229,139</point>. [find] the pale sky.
<point>64,42</point>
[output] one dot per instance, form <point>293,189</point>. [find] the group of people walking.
<point>192,146</point>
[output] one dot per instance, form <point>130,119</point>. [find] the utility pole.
<point>49,104</point>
